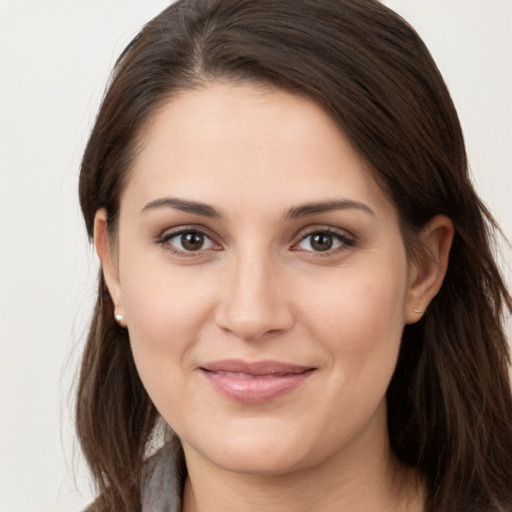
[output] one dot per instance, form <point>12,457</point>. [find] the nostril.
<point>258,326</point>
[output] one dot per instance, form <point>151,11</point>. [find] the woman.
<point>298,297</point>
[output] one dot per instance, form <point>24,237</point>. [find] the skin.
<point>259,289</point>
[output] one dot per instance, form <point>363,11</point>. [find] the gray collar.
<point>161,489</point>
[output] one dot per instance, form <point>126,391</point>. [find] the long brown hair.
<point>449,402</point>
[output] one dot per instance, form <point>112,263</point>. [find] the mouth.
<point>255,382</point>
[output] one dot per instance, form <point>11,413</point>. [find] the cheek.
<point>359,317</point>
<point>166,309</point>
<point>358,321</point>
<point>363,299</point>
<point>166,312</point>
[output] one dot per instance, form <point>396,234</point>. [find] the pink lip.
<point>254,382</point>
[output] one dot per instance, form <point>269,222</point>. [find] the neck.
<point>362,477</point>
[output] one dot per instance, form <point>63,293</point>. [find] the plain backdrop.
<point>55,58</point>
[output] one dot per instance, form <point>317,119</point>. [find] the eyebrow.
<point>183,205</point>
<point>326,206</point>
<point>299,212</point>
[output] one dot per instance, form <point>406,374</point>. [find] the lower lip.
<point>256,389</point>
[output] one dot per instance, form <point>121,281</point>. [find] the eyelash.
<point>164,240</point>
<point>345,241</point>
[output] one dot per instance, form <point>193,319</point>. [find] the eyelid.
<point>185,228</point>
<point>171,233</point>
<point>348,240</point>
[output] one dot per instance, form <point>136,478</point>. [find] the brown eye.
<point>321,241</point>
<point>193,241</point>
<point>189,241</point>
<point>324,241</point>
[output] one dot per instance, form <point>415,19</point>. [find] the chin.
<point>254,452</point>
<point>261,462</point>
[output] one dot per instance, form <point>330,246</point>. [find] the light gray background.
<point>55,57</point>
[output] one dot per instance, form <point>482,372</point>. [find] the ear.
<point>107,255</point>
<point>428,268</point>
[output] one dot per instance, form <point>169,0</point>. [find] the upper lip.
<point>254,368</point>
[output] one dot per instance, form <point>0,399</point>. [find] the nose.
<point>254,303</point>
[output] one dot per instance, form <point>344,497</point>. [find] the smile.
<point>254,383</point>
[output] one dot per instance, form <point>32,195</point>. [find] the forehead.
<point>223,142</point>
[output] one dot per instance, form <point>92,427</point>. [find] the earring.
<point>119,318</point>
<point>419,311</point>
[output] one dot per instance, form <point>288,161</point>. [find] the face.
<point>263,279</point>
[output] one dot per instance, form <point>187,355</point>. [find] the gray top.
<point>160,487</point>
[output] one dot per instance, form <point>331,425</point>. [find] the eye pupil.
<point>321,241</point>
<point>192,241</point>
